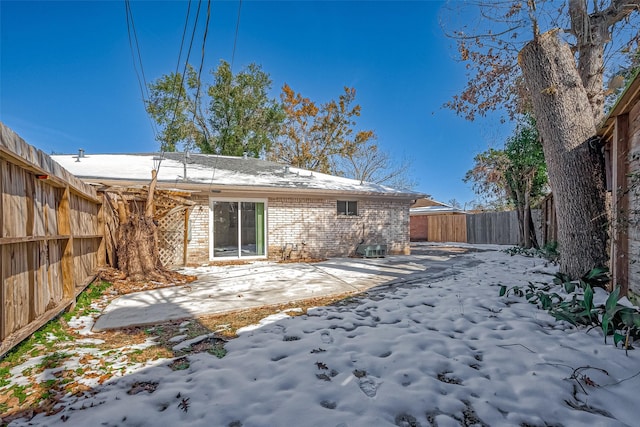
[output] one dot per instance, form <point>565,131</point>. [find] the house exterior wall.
<point>634,200</point>
<point>621,133</point>
<point>198,233</point>
<point>419,225</point>
<point>311,228</point>
<point>305,227</point>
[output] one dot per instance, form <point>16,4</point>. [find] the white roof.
<point>215,171</point>
<point>433,210</point>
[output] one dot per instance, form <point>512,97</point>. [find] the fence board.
<point>84,261</point>
<point>447,228</point>
<point>83,216</point>
<point>54,273</point>
<point>13,195</point>
<point>15,287</point>
<point>498,228</point>
<point>51,197</point>
<point>49,238</point>
<point>549,221</point>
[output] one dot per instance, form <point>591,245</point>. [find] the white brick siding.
<point>311,228</point>
<point>198,239</point>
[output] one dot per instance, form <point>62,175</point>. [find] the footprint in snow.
<point>369,385</point>
<point>326,337</point>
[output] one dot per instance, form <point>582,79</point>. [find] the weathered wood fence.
<point>548,221</point>
<point>499,228</point>
<point>439,228</point>
<point>51,238</point>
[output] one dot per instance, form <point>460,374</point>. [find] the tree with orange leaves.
<point>313,137</point>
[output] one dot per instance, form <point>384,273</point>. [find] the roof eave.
<point>623,105</point>
<point>264,189</point>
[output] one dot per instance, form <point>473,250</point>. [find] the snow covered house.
<point>247,208</point>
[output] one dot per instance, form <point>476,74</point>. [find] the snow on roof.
<point>215,170</point>
<point>427,201</point>
<point>432,210</point>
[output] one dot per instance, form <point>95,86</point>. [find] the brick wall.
<point>418,231</point>
<point>300,227</point>
<point>198,239</point>
<point>311,228</point>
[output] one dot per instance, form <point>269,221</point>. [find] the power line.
<point>186,62</point>
<point>193,34</point>
<point>235,39</point>
<point>142,82</point>
<point>184,33</point>
<point>204,43</point>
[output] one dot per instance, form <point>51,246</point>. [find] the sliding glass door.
<point>237,228</point>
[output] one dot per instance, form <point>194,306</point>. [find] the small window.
<point>349,208</point>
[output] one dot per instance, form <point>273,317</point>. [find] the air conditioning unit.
<point>372,251</point>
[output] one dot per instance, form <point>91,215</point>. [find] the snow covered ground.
<point>446,352</point>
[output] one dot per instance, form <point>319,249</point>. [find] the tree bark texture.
<point>138,250</point>
<point>575,165</point>
<point>137,253</point>
<point>591,34</point>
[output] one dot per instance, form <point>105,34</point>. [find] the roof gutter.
<point>261,189</point>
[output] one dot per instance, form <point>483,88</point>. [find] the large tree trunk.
<point>138,250</point>
<point>566,124</point>
<point>138,255</point>
<point>591,33</point>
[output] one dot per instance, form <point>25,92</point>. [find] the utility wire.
<point>186,62</point>
<point>235,39</point>
<point>175,77</point>
<point>184,33</point>
<point>142,82</point>
<point>204,43</point>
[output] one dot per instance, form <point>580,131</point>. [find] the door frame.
<point>238,200</point>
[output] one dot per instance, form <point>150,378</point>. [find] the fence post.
<point>64,228</point>
<point>101,256</point>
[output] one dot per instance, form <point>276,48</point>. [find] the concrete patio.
<point>229,288</point>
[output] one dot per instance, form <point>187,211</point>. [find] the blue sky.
<point>68,79</point>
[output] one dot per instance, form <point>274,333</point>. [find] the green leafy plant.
<point>218,351</point>
<point>19,392</point>
<point>597,277</point>
<point>515,290</point>
<point>620,321</point>
<point>86,298</point>
<point>5,376</point>
<point>54,360</point>
<point>613,318</point>
<point>548,252</point>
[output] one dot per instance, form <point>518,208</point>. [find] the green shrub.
<point>620,321</point>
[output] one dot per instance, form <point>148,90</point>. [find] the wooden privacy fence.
<point>500,228</point>
<point>549,222</point>
<point>439,228</point>
<point>50,238</point>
